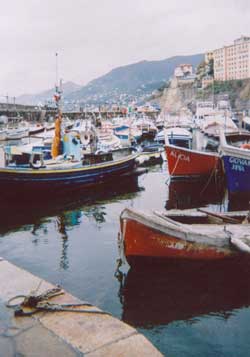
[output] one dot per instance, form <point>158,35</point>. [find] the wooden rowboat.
<point>184,235</point>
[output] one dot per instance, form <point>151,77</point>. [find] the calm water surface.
<point>185,310</point>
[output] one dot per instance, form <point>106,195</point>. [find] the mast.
<point>56,144</point>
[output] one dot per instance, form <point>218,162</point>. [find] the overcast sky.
<point>94,36</point>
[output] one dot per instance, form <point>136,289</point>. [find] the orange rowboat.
<point>156,236</point>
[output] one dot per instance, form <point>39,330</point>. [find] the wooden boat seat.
<point>216,230</point>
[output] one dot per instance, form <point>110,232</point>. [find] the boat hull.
<point>190,163</point>
<point>237,171</point>
<point>42,181</point>
<point>16,134</point>
<point>148,238</point>
<point>144,243</point>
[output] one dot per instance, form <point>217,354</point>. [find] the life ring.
<point>35,166</point>
<point>245,146</point>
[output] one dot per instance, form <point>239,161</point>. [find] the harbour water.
<point>184,309</point>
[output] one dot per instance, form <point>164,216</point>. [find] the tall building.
<point>233,62</point>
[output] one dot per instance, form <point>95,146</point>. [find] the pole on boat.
<point>56,144</point>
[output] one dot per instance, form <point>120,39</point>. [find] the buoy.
<point>245,146</point>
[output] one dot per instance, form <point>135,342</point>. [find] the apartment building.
<point>233,62</point>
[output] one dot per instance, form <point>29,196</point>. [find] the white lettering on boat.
<point>179,156</point>
<point>239,161</point>
<point>238,168</point>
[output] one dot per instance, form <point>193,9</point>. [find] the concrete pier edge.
<point>88,334</point>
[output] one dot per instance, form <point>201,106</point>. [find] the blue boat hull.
<point>40,181</point>
<point>237,173</point>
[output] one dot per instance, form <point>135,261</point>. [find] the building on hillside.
<point>190,78</point>
<point>233,62</point>
<point>183,70</point>
<point>209,56</point>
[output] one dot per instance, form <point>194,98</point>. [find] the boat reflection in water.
<point>194,193</point>
<point>68,208</point>
<point>181,291</point>
<point>237,201</point>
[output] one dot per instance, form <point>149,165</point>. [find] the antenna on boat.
<point>58,87</point>
<point>56,70</point>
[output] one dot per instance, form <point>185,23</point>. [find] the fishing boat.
<point>147,128</point>
<point>19,131</point>
<point>150,154</point>
<point>236,163</point>
<point>128,134</point>
<point>192,163</point>
<point>3,134</point>
<point>212,126</point>
<point>107,141</point>
<point>183,234</point>
<point>246,123</point>
<point>27,174</point>
<point>36,128</point>
<point>176,136</point>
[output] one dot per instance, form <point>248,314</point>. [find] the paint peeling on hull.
<point>140,240</point>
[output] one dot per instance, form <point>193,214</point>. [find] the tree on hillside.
<point>210,68</point>
<point>201,70</point>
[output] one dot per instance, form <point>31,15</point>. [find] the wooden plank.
<point>224,217</point>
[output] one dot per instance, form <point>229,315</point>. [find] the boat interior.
<point>203,216</point>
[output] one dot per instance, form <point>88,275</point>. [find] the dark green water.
<point>185,310</point>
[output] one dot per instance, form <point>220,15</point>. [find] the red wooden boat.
<point>183,162</point>
<point>156,236</point>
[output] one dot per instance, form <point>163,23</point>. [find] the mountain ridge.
<point>123,84</point>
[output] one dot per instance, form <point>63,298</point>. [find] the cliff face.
<point>177,96</point>
<point>242,101</point>
<point>184,95</point>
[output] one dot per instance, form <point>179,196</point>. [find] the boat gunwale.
<point>45,171</point>
<point>193,151</point>
<point>231,150</point>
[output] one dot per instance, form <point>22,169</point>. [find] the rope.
<point>209,179</point>
<point>175,165</point>
<point>32,304</point>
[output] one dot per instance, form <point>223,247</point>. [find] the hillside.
<point>45,96</point>
<point>177,96</point>
<point>238,92</point>
<point>131,82</point>
<point>134,82</point>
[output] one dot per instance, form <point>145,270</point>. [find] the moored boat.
<point>236,164</point>
<point>183,235</point>
<point>35,177</point>
<point>150,154</point>
<point>3,134</point>
<point>194,161</point>
<point>183,162</point>
<point>26,173</point>
<point>18,132</point>
<point>36,128</point>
